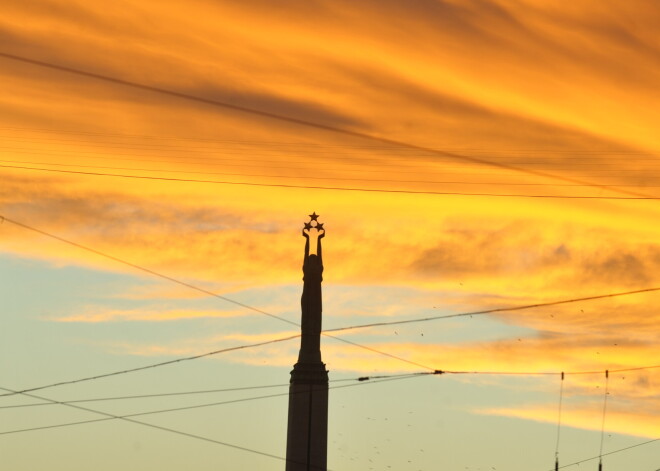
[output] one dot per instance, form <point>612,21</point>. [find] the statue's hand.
<point>305,233</point>
<point>321,233</point>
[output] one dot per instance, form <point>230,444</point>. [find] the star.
<point>314,216</point>
<point>308,225</point>
<point>319,226</point>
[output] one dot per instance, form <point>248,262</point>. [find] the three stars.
<point>314,217</point>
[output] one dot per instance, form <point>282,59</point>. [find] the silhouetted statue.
<point>311,302</point>
<point>307,434</point>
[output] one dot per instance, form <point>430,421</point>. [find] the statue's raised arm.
<point>313,229</point>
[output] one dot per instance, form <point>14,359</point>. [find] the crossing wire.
<point>383,379</point>
<point>150,396</point>
<point>204,391</point>
<point>550,373</point>
<point>309,146</point>
<point>158,427</point>
<point>361,381</point>
<point>336,188</point>
<point>154,365</point>
<point>578,463</point>
<point>284,118</point>
<point>305,123</point>
<point>324,332</point>
<point>202,290</point>
<point>256,149</point>
<point>300,143</point>
<point>494,310</point>
<point>302,177</point>
<point>361,378</point>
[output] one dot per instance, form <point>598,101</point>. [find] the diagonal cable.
<point>146,424</point>
<point>360,382</point>
<point>306,123</point>
<point>499,309</point>
<point>333,188</point>
<point>196,288</point>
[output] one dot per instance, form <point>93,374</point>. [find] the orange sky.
<point>503,91</point>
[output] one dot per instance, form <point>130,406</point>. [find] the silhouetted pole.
<point>307,433</point>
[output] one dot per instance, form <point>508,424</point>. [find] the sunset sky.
<point>463,156</point>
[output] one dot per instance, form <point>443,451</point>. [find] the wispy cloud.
<point>565,90</point>
<point>589,417</point>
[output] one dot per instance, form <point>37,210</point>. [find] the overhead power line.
<point>312,144</point>
<point>190,435</point>
<point>246,346</point>
<point>202,290</point>
<point>382,156</point>
<point>332,188</point>
<point>308,177</point>
<point>342,380</point>
<point>325,332</point>
<point>302,122</point>
<point>443,174</point>
<point>147,270</point>
<point>151,396</point>
<point>492,311</point>
<point>203,391</point>
<point>154,365</point>
<point>650,153</point>
<point>578,463</point>
<point>360,382</point>
<point>158,427</point>
<point>550,373</point>
<point>360,379</point>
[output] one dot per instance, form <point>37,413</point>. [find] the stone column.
<point>307,433</point>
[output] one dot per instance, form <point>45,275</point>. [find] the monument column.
<point>307,433</point>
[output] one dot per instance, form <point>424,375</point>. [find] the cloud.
<point>633,398</point>
<point>559,255</point>
<point>618,421</point>
<point>565,90</point>
<point>576,343</point>
<point>243,243</point>
<point>429,71</point>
